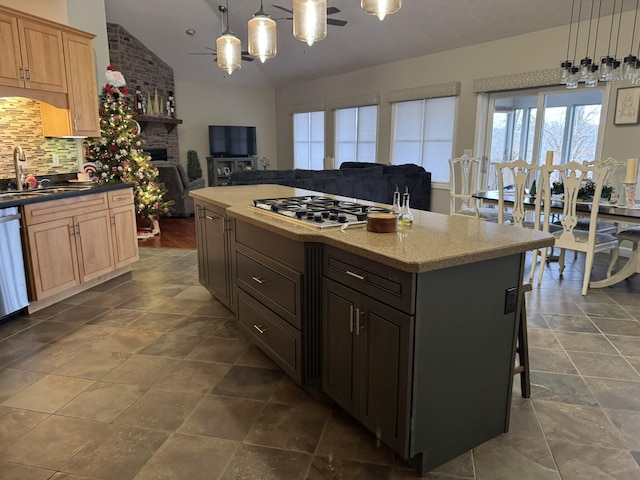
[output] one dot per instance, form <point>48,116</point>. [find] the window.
<point>308,140</point>
<point>423,134</point>
<point>569,126</point>
<point>356,133</point>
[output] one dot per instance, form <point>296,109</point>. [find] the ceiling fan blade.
<point>331,10</point>
<point>247,58</point>
<point>336,22</point>
<point>209,48</point>
<point>282,8</point>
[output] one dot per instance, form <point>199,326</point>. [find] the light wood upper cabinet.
<point>54,63</point>
<point>10,62</point>
<point>81,118</point>
<point>36,48</point>
<point>81,78</point>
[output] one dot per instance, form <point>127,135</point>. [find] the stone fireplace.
<point>141,67</point>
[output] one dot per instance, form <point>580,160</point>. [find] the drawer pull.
<point>120,198</point>
<point>355,275</point>
<point>258,280</point>
<point>260,329</point>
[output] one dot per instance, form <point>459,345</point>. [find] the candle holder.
<point>630,194</point>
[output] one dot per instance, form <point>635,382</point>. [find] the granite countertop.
<point>55,192</point>
<point>434,241</point>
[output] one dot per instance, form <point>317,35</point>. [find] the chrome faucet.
<point>19,156</point>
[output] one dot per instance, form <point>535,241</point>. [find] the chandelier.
<point>262,36</point>
<point>228,46</point>
<point>381,8</point>
<point>610,69</point>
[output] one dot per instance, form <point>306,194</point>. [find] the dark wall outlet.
<point>510,300</point>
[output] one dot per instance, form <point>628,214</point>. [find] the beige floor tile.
<point>53,442</point>
<point>102,401</point>
<point>49,394</point>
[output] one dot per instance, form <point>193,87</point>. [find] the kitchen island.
<point>411,332</point>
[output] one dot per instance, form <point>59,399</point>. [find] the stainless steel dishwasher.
<point>13,285</point>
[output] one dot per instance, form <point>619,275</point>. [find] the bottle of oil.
<point>406,217</point>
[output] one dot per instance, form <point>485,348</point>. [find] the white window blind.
<point>308,140</point>
<point>423,134</point>
<point>356,134</point>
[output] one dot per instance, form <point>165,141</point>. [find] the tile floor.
<point>147,377</point>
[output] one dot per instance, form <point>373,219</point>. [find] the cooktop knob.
<point>342,218</point>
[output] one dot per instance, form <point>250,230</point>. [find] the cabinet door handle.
<point>22,74</point>
<point>209,217</point>
<point>358,313</point>
<point>350,318</point>
<point>72,230</point>
<point>77,229</point>
<point>354,275</point>
<point>258,280</point>
<point>28,74</point>
<point>75,125</point>
<point>260,329</point>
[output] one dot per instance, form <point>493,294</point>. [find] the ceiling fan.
<point>245,55</point>
<point>330,11</point>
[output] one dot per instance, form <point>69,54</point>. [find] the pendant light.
<point>309,20</point>
<point>381,8</point>
<point>567,65</point>
<point>228,47</point>
<point>262,36</point>
<point>629,64</point>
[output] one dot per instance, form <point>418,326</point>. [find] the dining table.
<point>607,211</point>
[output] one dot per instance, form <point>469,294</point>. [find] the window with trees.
<point>423,134</point>
<point>569,126</point>
<point>356,134</point>
<point>308,140</point>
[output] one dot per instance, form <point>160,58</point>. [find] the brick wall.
<point>140,66</point>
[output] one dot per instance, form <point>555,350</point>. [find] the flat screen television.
<point>232,141</point>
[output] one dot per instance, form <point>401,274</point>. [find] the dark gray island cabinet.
<point>417,347</point>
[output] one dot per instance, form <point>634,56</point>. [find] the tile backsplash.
<point>21,125</point>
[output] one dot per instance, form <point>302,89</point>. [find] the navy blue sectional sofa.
<point>366,181</point>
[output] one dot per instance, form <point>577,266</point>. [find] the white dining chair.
<point>568,237</point>
<point>527,209</point>
<point>463,183</point>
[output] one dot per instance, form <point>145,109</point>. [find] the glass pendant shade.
<point>262,37</point>
<point>309,20</point>
<point>229,51</point>
<point>381,8</point>
<point>565,71</point>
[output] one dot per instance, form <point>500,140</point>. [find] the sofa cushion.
<point>371,170</point>
<point>302,173</point>
<point>405,168</point>
<point>251,177</point>
<point>344,165</point>
<point>183,175</point>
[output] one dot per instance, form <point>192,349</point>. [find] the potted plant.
<point>194,171</point>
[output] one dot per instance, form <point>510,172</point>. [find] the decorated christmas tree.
<point>118,154</point>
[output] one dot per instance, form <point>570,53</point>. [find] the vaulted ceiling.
<point>419,28</point>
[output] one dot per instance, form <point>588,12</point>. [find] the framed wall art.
<point>627,106</point>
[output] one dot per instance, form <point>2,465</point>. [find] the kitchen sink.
<point>41,192</point>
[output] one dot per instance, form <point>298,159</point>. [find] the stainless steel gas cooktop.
<point>318,212</point>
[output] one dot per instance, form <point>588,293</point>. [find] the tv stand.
<point>219,168</point>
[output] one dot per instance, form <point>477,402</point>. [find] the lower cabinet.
<point>214,259</point>
<point>75,240</point>
<point>269,277</point>
<point>366,361</point>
